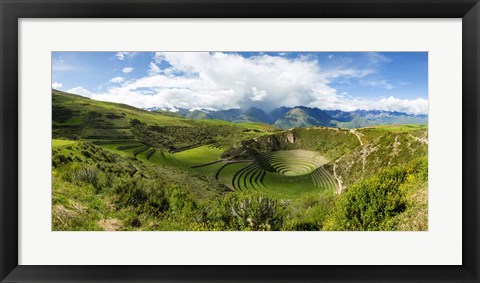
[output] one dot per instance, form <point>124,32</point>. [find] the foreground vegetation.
<point>115,167</point>
<point>111,192</point>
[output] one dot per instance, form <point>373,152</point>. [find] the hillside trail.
<point>353,131</point>
<point>335,175</point>
<point>339,190</point>
<point>339,181</point>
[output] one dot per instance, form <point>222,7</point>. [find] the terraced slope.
<point>286,173</point>
<point>294,162</point>
<point>249,178</point>
<point>323,179</point>
<point>199,155</point>
<point>142,152</point>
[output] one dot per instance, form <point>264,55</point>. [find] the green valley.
<point>117,167</point>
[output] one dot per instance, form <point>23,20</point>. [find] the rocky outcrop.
<point>290,138</point>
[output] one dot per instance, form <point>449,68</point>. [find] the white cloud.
<point>117,80</point>
<point>258,95</point>
<point>80,91</point>
<point>127,70</point>
<point>377,58</point>
<point>158,57</point>
<point>411,106</point>
<point>222,81</point>
<point>219,80</point>
<point>153,69</point>
<point>347,73</point>
<point>121,55</point>
<point>56,85</point>
<point>377,83</point>
<point>331,56</point>
<point>125,55</point>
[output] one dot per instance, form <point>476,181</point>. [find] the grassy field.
<point>294,162</point>
<point>296,172</point>
<point>59,143</point>
<point>76,108</point>
<point>211,169</point>
<point>292,187</point>
<point>403,127</point>
<point>199,155</point>
<point>77,117</point>
<point>285,174</point>
<point>259,126</point>
<point>226,173</point>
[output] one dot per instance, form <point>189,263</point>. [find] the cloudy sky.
<point>394,81</point>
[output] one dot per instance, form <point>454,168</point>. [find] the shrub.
<point>59,159</point>
<point>85,173</point>
<point>310,212</point>
<point>373,203</point>
<point>182,204</point>
<point>249,211</point>
<point>145,195</point>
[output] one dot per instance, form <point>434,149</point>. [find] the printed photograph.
<point>239,141</point>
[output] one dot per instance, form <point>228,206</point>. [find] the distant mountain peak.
<point>198,115</point>
<point>302,116</point>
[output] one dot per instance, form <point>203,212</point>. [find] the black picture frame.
<point>13,10</point>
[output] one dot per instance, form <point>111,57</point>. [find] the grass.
<point>295,162</point>
<point>58,143</point>
<point>227,172</point>
<point>74,207</point>
<point>323,179</point>
<point>140,151</point>
<point>121,113</point>
<point>296,172</point>
<point>154,156</point>
<point>289,187</point>
<point>374,132</point>
<point>199,155</point>
<point>259,126</point>
<point>210,170</point>
<point>284,183</point>
<point>402,127</point>
<point>293,167</point>
<point>76,117</point>
<point>123,149</point>
<point>329,142</point>
<point>248,178</point>
<point>384,148</point>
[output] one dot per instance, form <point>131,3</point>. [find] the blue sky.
<point>393,81</point>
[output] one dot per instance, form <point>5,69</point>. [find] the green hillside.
<point>383,147</point>
<point>198,115</point>
<point>301,117</point>
<point>79,117</point>
<point>116,167</point>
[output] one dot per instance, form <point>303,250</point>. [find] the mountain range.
<point>302,116</point>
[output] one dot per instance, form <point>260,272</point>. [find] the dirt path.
<point>339,181</point>
<point>353,131</point>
